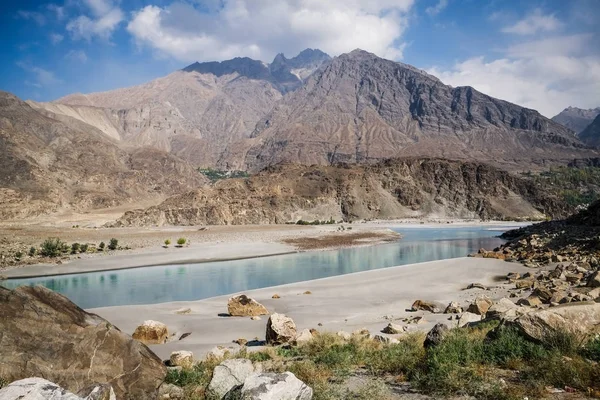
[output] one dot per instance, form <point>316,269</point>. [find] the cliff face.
<point>360,108</point>
<point>391,189</point>
<point>591,134</point>
<point>576,119</point>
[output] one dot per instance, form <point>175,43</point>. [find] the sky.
<point>541,54</point>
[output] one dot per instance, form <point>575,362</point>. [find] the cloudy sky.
<point>543,54</point>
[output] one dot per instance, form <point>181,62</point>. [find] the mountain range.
<point>311,109</point>
<point>576,119</point>
<point>97,150</point>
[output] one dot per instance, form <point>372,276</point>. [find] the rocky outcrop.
<point>45,334</point>
<point>244,306</point>
<point>272,386</point>
<point>582,320</point>
<point>591,134</point>
<point>431,306</point>
<point>36,389</point>
<point>391,189</point>
<point>151,332</point>
<point>280,329</point>
<point>436,335</point>
<point>229,376</point>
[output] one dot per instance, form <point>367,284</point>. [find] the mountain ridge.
<point>576,119</point>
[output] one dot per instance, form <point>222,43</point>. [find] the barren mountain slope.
<point>391,189</point>
<point>360,108</point>
<point>576,119</point>
<point>47,165</point>
<point>591,134</point>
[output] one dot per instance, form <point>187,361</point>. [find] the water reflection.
<point>198,281</point>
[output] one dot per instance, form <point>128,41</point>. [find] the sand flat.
<point>348,302</point>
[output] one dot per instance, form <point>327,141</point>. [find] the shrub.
<point>18,255</point>
<point>181,241</point>
<point>592,349</point>
<point>32,251</point>
<point>52,247</point>
<point>75,248</point>
<point>101,246</point>
<point>113,244</point>
<point>83,248</point>
<point>167,242</point>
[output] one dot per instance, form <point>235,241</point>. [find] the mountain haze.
<point>576,119</point>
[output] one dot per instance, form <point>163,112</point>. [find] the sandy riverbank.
<point>205,244</point>
<point>366,299</point>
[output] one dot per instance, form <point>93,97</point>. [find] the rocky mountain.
<point>48,165</point>
<point>362,108</point>
<point>194,113</point>
<point>390,189</point>
<point>591,134</point>
<point>576,119</point>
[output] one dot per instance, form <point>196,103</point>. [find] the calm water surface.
<point>199,281</point>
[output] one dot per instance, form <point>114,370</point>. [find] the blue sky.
<point>542,54</point>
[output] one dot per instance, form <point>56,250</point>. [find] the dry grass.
<point>342,239</point>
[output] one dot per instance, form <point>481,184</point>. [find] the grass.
<point>487,362</point>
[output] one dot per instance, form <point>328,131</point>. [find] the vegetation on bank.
<point>483,362</point>
<point>216,175</point>
<point>576,186</point>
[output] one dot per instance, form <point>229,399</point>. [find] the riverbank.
<point>368,299</point>
<point>203,244</point>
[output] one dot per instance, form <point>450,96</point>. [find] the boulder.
<point>480,305</point>
<point>44,334</point>
<point>280,329</point>
<point>303,336</point>
<point>393,329</point>
<point>344,335</point>
<point>273,386</point>
<point>36,389</point>
<point>580,319</point>
<point>453,308</point>
<point>531,301</point>
<point>182,358</point>
<point>98,391</point>
<point>436,335</point>
<point>431,306</point>
<point>385,339</point>
<point>466,318</point>
<point>594,293</point>
<point>594,280</point>
<point>244,306</point>
<point>218,352</point>
<point>524,283</point>
<point>151,332</point>
<point>170,392</point>
<point>229,376</point>
<point>503,308</point>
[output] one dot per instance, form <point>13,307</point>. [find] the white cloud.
<point>56,38</point>
<point>262,28</point>
<point>547,75</point>
<point>42,76</point>
<point>534,23</point>
<point>438,8</point>
<point>105,17</point>
<point>58,11</point>
<point>77,55</point>
<point>33,16</point>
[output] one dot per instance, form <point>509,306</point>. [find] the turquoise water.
<point>160,284</point>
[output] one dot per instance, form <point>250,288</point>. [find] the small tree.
<point>113,244</point>
<point>101,246</point>
<point>83,248</point>
<point>32,251</point>
<point>52,247</point>
<point>181,241</point>
<point>75,248</point>
<point>167,242</point>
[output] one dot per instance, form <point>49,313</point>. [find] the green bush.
<point>167,242</point>
<point>32,251</point>
<point>592,349</point>
<point>181,241</point>
<point>101,246</point>
<point>75,248</point>
<point>52,247</point>
<point>113,244</point>
<point>84,248</point>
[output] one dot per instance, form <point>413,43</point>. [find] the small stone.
<point>168,391</point>
<point>303,336</point>
<point>480,306</point>
<point>393,329</point>
<point>280,329</point>
<point>364,332</point>
<point>531,301</point>
<point>151,332</point>
<point>241,341</point>
<point>524,283</point>
<point>184,359</point>
<point>422,305</point>
<point>183,311</point>
<point>276,296</point>
<point>244,306</point>
<point>217,353</point>
<point>453,308</point>
<point>466,318</point>
<point>594,280</point>
<point>436,335</point>
<point>273,386</point>
<point>344,335</point>
<point>255,318</point>
<point>307,292</point>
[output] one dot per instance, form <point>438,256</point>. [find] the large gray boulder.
<point>436,335</point>
<point>272,386</point>
<point>280,329</point>
<point>229,376</point>
<point>42,389</point>
<point>581,319</point>
<point>42,333</point>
